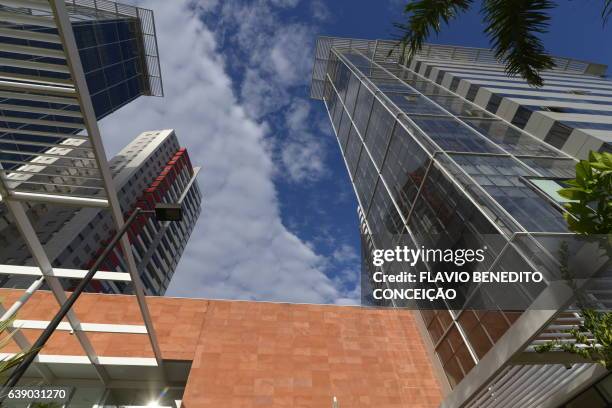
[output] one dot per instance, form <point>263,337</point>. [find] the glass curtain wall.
<point>430,168</point>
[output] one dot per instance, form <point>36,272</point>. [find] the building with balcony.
<point>153,168</point>
<point>43,151</point>
<point>447,151</point>
<point>64,65</point>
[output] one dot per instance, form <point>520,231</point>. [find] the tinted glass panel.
<point>353,149</point>
<point>365,179</point>
<point>345,126</point>
<point>385,222</point>
<point>428,88</point>
<point>458,106</point>
<point>404,168</point>
<point>511,139</point>
<point>111,56</point>
<point>451,135</point>
<point>379,130</point>
<point>363,106</point>
<point>414,104</point>
<point>358,60</point>
<point>561,168</point>
<point>390,84</point>
<point>501,178</point>
<point>351,94</point>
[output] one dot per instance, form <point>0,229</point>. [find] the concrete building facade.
<point>152,168</point>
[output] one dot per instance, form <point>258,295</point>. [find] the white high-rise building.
<point>152,168</point>
<point>572,111</point>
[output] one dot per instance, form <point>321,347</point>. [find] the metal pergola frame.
<point>54,14</point>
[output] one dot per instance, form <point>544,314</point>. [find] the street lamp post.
<point>163,212</point>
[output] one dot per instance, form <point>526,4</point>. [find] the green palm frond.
<point>607,10</point>
<point>424,16</point>
<point>513,27</point>
<point>6,336</point>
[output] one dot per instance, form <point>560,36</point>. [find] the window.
<point>452,135</point>
<point>548,188</point>
<point>412,104</point>
<point>505,180</point>
<point>511,139</point>
<point>458,106</point>
<point>578,92</point>
<point>556,109</point>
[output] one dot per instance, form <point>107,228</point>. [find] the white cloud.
<point>240,249</point>
<point>259,96</point>
<point>345,253</point>
<point>285,3</point>
<point>302,153</point>
<point>303,161</point>
<point>319,10</point>
<point>276,58</point>
<point>290,54</point>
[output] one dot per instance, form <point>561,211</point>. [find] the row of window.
<point>438,211</point>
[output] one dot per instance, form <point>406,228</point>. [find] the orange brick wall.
<point>258,354</point>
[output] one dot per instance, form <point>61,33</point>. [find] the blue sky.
<point>279,219</point>
<point>361,19</point>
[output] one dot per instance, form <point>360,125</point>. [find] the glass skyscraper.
<point>449,152</point>
<point>118,53</point>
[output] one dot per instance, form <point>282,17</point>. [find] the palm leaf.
<point>607,10</point>
<point>513,27</point>
<point>6,335</point>
<point>424,16</point>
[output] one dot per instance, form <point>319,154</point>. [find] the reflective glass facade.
<point>113,60</point>
<point>432,168</point>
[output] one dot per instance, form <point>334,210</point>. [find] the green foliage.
<point>607,10</point>
<point>597,348</point>
<point>591,211</point>
<point>8,363</point>
<point>512,26</point>
<point>426,16</point>
<point>592,340</point>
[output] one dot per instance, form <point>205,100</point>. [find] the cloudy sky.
<point>279,216</point>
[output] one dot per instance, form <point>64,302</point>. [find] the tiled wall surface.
<point>258,354</point>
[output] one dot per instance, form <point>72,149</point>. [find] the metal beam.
<point>39,98</point>
<point>40,257</point>
<point>7,314</point>
<point>63,273</point>
<point>543,310</point>
<point>55,198</point>
<point>42,66</point>
<point>47,111</point>
<point>36,51</point>
<point>29,35</point>
<point>20,339</point>
<point>86,327</point>
<point>76,69</point>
